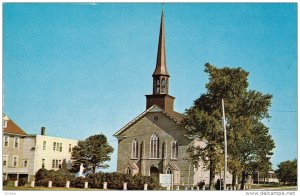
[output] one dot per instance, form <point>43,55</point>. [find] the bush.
<point>58,178</point>
<point>5,182</point>
<point>116,180</point>
<point>22,181</point>
<point>78,182</point>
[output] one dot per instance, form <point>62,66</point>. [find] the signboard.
<point>166,180</point>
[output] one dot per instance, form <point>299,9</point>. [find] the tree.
<point>287,171</point>
<point>93,152</point>
<point>248,138</point>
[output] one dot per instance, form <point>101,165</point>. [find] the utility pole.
<point>225,144</point>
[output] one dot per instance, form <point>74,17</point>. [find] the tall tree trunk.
<point>243,179</point>
<point>233,182</point>
<point>94,169</point>
<point>212,175</point>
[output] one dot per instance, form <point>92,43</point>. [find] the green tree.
<point>248,139</point>
<point>93,152</point>
<point>287,171</point>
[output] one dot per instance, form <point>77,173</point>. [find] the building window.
<point>6,141</point>
<point>16,142</point>
<point>44,145</point>
<point>157,89</point>
<point>15,161</point>
<point>54,146</point>
<point>59,164</point>
<point>174,154</point>
<point>60,147</point>
<point>24,163</point>
<point>169,171</point>
<point>53,163</point>
<point>134,149</point>
<point>154,146</point>
<point>56,163</point>
<point>163,85</point>
<point>127,170</point>
<point>5,160</point>
<point>4,123</point>
<point>70,147</point>
<point>43,163</point>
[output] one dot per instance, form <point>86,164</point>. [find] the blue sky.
<point>81,69</point>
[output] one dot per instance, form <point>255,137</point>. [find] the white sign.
<point>166,180</point>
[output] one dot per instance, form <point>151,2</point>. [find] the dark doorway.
<point>154,171</point>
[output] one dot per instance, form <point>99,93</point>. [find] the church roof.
<point>161,65</point>
<point>133,166</point>
<point>177,117</point>
<point>12,127</point>
<point>174,166</point>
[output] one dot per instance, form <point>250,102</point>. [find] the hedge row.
<point>114,180</point>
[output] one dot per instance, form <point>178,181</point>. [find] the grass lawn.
<point>39,188</point>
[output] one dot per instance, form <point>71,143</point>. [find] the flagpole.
<point>225,144</point>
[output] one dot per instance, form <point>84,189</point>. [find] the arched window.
<point>154,146</point>
<point>163,85</point>
<point>127,170</point>
<point>169,171</point>
<point>134,149</point>
<point>174,154</point>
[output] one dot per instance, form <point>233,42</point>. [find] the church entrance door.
<point>154,172</point>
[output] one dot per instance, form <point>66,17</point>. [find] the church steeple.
<point>160,74</point>
<point>160,95</point>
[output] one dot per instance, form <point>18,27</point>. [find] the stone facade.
<point>148,143</point>
<point>155,122</point>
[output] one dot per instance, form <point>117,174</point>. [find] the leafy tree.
<point>93,152</point>
<point>248,139</point>
<point>287,171</point>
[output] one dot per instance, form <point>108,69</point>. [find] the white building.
<point>24,154</point>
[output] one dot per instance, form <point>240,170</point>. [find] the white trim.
<point>5,157</point>
<point>23,163</point>
<point>155,155</point>
<point>13,160</point>
<point>70,148</point>
<point>7,141</point>
<point>44,145</point>
<point>44,163</point>
<point>176,150</point>
<point>4,123</point>
<point>134,144</point>
<point>16,139</point>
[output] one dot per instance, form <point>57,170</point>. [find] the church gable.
<point>158,117</point>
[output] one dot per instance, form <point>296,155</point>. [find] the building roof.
<point>12,127</point>
<point>161,65</point>
<point>177,117</point>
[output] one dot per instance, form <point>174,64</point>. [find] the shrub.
<point>22,181</point>
<point>116,180</point>
<point>40,175</point>
<point>58,178</point>
<point>5,182</point>
<point>78,182</point>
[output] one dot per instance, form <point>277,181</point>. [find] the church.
<point>155,141</point>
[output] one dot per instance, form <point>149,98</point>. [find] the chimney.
<point>43,131</point>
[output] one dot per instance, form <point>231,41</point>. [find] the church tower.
<point>160,95</point>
